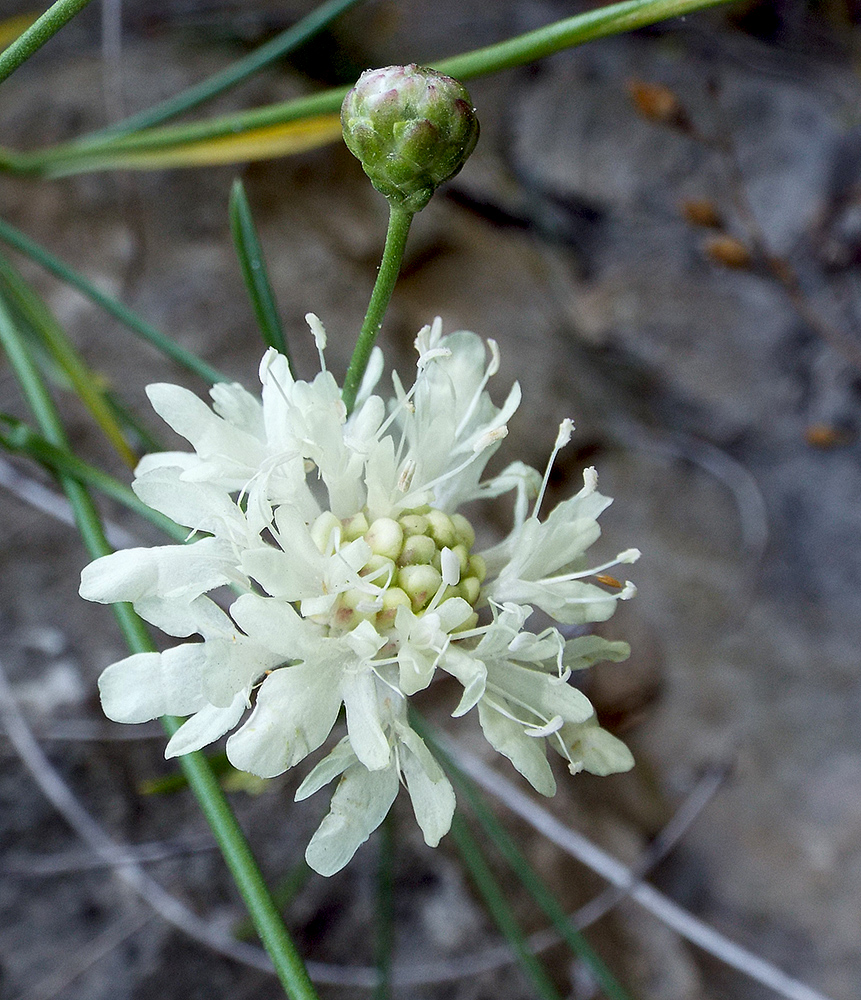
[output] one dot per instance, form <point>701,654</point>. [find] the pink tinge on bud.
<point>412,128</point>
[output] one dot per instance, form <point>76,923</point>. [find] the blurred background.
<point>663,233</point>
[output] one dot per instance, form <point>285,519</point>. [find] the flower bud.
<point>412,128</point>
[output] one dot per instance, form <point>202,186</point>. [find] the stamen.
<point>406,477</point>
<point>492,369</point>
<point>590,481</point>
<point>563,436</point>
<point>450,565</point>
<point>319,333</point>
<point>553,726</point>
<point>628,556</point>
<point>489,438</point>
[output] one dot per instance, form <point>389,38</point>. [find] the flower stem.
<point>234,847</point>
<point>390,266</point>
<point>37,34</point>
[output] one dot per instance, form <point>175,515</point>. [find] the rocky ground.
<point>719,403</point>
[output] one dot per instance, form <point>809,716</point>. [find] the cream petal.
<point>179,572</point>
<point>525,753</point>
<point>148,685</point>
<point>367,737</point>
<point>206,726</point>
<point>295,711</point>
<point>360,803</point>
<point>430,790</point>
<point>329,768</point>
<point>539,692</point>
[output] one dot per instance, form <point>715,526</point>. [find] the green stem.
<point>273,934</point>
<point>385,910</point>
<point>599,23</point>
<point>94,152</point>
<point>252,263</point>
<point>390,266</point>
<point>37,34</point>
<point>18,438</point>
<point>262,909</point>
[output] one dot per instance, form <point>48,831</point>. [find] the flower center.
<point>409,566</point>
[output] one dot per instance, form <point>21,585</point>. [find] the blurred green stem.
<point>37,34</point>
<point>146,331</point>
<point>93,152</point>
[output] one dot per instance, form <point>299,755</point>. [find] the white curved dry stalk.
<point>49,501</point>
<point>624,880</point>
<point>684,923</point>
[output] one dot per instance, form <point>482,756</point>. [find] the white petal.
<point>369,741</point>
<point>539,692</point>
<point>148,685</point>
<point>182,618</point>
<point>329,768</point>
<point>275,625</point>
<point>295,711</point>
<point>527,755</point>
<point>171,571</point>
<point>472,674</point>
<point>359,805</point>
<point>598,751</point>
<point>430,790</point>
<point>200,506</point>
<point>206,726</point>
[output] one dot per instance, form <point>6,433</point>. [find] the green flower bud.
<point>417,549</point>
<point>441,529</point>
<point>413,524</point>
<point>354,527</point>
<point>385,536</point>
<point>393,599</point>
<point>420,583</point>
<point>412,128</point>
<point>463,530</point>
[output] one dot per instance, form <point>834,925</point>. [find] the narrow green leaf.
<point>33,38</point>
<point>126,316</point>
<point>276,48</point>
<point>385,909</point>
<point>253,265</point>
<point>83,380</point>
<point>81,155</point>
<point>531,880</point>
<point>495,900</point>
<point>20,439</point>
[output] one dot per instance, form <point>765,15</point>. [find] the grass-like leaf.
<point>531,880</point>
<point>130,319</point>
<point>385,909</point>
<point>94,151</point>
<point>276,48</point>
<point>19,438</point>
<point>32,38</point>
<point>497,904</point>
<point>234,847</point>
<point>265,143</point>
<point>83,380</point>
<point>253,265</point>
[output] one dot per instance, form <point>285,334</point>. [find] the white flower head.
<point>329,567</point>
